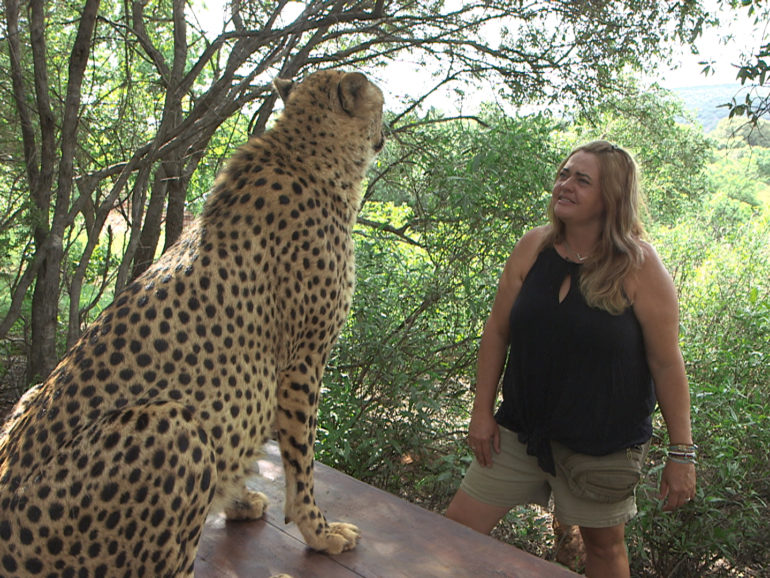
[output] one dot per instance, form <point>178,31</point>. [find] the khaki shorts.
<point>589,491</point>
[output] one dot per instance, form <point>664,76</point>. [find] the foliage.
<point>725,302</point>
<point>741,168</point>
<point>113,106</point>
<point>730,131</point>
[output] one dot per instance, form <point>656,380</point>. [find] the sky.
<point>746,38</point>
<point>404,77</point>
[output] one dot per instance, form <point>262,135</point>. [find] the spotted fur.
<point>155,417</point>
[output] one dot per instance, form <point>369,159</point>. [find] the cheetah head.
<point>350,97</point>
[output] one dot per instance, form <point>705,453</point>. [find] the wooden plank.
<point>398,539</point>
<point>259,549</point>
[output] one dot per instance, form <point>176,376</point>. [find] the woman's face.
<point>577,196</point>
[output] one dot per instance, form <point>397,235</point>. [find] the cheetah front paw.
<point>341,537</point>
<point>250,506</point>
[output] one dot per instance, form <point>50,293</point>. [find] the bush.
<point>725,304</point>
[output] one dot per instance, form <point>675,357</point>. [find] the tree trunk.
<point>177,195</point>
<point>45,300</point>
<point>148,238</point>
<point>45,310</point>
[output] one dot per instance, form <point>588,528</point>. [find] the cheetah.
<point>155,418</point>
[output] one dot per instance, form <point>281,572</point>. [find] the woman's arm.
<point>657,309</point>
<point>483,432</point>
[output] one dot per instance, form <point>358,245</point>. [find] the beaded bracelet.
<point>683,453</point>
<point>683,447</point>
<point>682,460</point>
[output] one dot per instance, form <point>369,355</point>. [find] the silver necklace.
<point>580,257</point>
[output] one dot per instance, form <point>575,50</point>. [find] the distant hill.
<point>704,101</point>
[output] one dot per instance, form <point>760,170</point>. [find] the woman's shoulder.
<point>651,276</point>
<point>651,261</point>
<point>527,249</point>
<point>532,241</point>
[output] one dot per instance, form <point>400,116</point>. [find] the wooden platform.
<point>398,539</point>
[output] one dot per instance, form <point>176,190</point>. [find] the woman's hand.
<point>677,485</point>
<point>483,435</point>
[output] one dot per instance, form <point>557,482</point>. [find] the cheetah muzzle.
<point>155,417</point>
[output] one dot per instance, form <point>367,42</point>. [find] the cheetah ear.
<point>349,90</point>
<point>283,87</point>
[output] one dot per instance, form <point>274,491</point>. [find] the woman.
<point>590,317</point>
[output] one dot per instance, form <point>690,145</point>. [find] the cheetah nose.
<point>384,129</point>
<point>379,146</point>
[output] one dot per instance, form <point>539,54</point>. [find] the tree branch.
<point>400,233</point>
<point>20,94</point>
<point>139,30</point>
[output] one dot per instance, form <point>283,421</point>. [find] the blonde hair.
<point>619,250</point>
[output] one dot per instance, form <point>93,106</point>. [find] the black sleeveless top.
<point>575,374</point>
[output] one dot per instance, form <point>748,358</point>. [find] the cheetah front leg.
<point>296,421</point>
<point>248,505</point>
